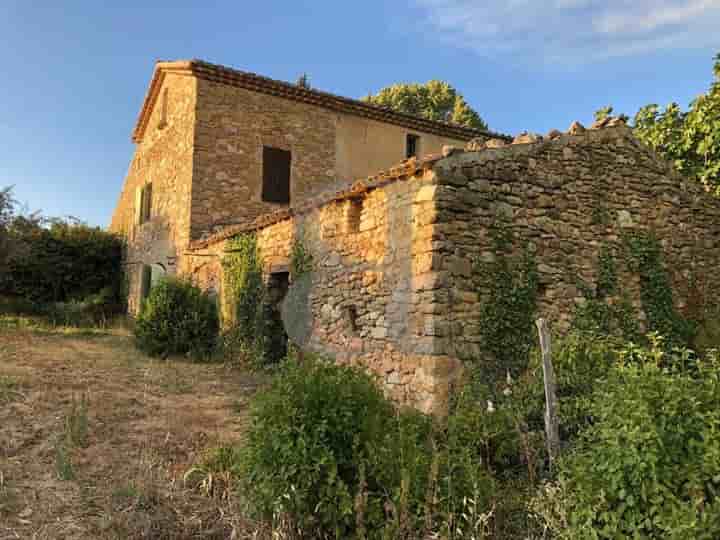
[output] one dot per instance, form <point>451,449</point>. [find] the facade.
<point>218,147</point>
<point>394,284</point>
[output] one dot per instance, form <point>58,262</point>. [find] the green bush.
<point>648,464</point>
<point>310,431</point>
<point>327,450</point>
<point>177,318</point>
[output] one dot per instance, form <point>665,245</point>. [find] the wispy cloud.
<point>574,30</point>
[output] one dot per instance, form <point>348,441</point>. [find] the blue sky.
<point>75,73</point>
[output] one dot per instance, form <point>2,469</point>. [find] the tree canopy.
<point>690,139</point>
<point>434,100</point>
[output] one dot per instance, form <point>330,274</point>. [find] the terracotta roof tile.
<point>265,85</point>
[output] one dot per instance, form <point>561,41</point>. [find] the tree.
<point>690,139</point>
<point>434,100</point>
<point>7,211</point>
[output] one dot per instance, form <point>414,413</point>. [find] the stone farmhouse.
<point>394,285</point>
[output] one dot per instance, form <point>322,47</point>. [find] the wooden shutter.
<point>276,175</point>
<point>138,205</point>
<point>145,281</point>
<point>147,202</point>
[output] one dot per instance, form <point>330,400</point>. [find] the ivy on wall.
<point>301,260</point>
<point>251,321</point>
<point>644,255</point>
<point>598,315</point>
<point>510,287</point>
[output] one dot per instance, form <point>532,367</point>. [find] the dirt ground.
<point>145,423</point>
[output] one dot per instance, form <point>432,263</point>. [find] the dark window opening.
<point>278,284</point>
<point>351,318</point>
<point>145,281</point>
<point>276,175</point>
<point>354,214</point>
<point>412,145</point>
<point>143,202</point>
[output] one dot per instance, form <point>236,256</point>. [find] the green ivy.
<point>301,260</point>
<point>599,316</point>
<point>510,284</point>
<point>250,319</point>
<point>645,256</point>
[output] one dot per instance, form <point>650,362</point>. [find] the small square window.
<point>412,145</point>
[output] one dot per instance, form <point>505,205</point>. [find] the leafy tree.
<point>7,210</point>
<point>434,100</point>
<point>690,139</point>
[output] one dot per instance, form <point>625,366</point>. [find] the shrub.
<point>309,432</point>
<point>647,466</point>
<point>177,318</point>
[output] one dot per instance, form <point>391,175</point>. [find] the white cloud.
<point>574,30</point>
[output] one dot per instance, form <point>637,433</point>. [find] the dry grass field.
<point>95,438</point>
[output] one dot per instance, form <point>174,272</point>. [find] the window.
<point>163,110</point>
<point>143,204</point>
<point>412,145</point>
<point>351,319</point>
<point>354,213</point>
<point>145,281</point>
<point>276,175</point>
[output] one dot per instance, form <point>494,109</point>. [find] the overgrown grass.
<point>74,434</point>
<point>42,325</point>
<point>9,389</point>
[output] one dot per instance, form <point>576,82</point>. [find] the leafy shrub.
<point>329,452</point>
<point>177,318</point>
<point>647,466</point>
<point>63,262</point>
<point>309,432</point>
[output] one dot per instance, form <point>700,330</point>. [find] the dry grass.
<point>128,428</point>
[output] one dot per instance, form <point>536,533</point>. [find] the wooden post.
<point>552,427</point>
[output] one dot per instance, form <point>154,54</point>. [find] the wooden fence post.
<point>552,427</point>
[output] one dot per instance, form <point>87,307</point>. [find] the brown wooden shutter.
<point>148,202</point>
<point>276,175</point>
<point>145,281</point>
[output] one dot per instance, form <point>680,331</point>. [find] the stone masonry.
<point>397,292</point>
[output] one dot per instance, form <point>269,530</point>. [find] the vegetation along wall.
<point>449,259</point>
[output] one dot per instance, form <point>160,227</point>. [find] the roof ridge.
<point>260,83</point>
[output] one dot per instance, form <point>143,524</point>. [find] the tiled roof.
<point>406,169</point>
<point>265,85</point>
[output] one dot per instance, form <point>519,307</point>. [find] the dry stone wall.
<point>372,294</point>
<point>566,196</point>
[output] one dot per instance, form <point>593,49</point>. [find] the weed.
<point>63,466</point>
<point>9,389</point>
<point>76,422</point>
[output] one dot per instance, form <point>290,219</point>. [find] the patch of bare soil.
<point>95,438</point>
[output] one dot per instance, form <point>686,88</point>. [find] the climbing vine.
<point>301,260</point>
<point>510,285</point>
<point>644,255</point>
<point>251,322</point>
<point>598,315</point>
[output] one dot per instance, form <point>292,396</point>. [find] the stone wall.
<point>233,125</point>
<point>164,158</point>
<point>395,286</point>
<point>371,297</point>
<point>567,196</point>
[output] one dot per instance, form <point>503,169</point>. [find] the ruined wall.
<point>567,197</point>
<point>371,261</point>
<point>164,158</point>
